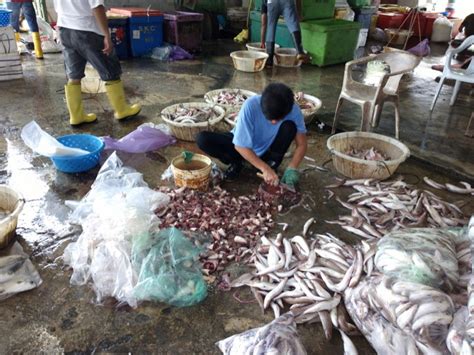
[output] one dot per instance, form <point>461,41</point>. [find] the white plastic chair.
<point>372,98</point>
<point>460,75</point>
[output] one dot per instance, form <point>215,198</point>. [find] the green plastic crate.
<point>283,37</point>
<point>317,9</point>
<point>217,6</point>
<point>359,3</point>
<point>310,9</point>
<point>330,41</point>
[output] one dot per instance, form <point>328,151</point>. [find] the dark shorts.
<point>81,47</point>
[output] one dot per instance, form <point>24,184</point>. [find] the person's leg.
<point>273,13</point>
<point>75,66</point>
<point>285,136</point>
<point>292,22</point>
<point>30,15</point>
<point>109,69</point>
<point>15,8</point>
<point>220,146</point>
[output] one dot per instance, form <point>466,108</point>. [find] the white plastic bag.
<point>119,207</point>
<point>44,144</point>
<point>441,30</point>
<point>277,337</point>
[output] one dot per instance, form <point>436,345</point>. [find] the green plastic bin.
<point>283,37</point>
<point>311,9</point>
<point>330,41</point>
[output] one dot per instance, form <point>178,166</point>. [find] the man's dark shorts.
<point>81,47</point>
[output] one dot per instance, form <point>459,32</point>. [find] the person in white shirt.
<point>85,36</point>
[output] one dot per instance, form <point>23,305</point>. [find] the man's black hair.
<point>277,101</point>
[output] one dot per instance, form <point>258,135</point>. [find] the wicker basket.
<point>211,97</point>
<point>355,168</point>
<point>195,179</point>
<point>187,131</point>
<point>13,202</point>
<point>309,113</point>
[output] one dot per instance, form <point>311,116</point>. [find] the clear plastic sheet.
<point>277,337</point>
<point>422,255</point>
<point>119,207</point>
<point>400,317</point>
<point>17,272</point>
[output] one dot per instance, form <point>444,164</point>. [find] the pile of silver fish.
<point>307,278</point>
<point>422,255</point>
<point>17,272</point>
<point>234,223</point>
<point>231,98</point>
<point>303,103</point>
<point>400,317</point>
<point>277,337</point>
<point>191,115</point>
<point>465,190</point>
<point>378,208</point>
<point>367,154</point>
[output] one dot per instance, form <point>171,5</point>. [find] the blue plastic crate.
<point>120,34</point>
<point>72,164</point>
<point>5,16</point>
<point>146,33</point>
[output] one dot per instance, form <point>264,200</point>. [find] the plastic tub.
<point>255,46</point>
<point>11,202</point>
<point>390,20</point>
<point>79,164</point>
<point>330,41</point>
<point>195,174</point>
<point>146,33</point>
<point>249,61</point>
<point>188,131</point>
<point>184,29</point>
<point>355,168</point>
<point>286,57</point>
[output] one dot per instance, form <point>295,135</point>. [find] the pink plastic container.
<point>184,29</point>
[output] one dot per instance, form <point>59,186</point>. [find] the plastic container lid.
<point>182,16</point>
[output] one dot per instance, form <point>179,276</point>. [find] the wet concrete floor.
<point>60,318</point>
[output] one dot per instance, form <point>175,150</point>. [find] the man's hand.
<point>108,45</point>
<point>270,176</point>
<point>262,44</point>
<point>291,177</point>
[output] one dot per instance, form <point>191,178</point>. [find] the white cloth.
<point>77,14</point>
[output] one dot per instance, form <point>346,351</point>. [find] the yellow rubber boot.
<point>116,96</point>
<point>17,37</point>
<point>74,105</point>
<point>37,43</point>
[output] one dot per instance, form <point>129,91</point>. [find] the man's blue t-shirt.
<point>255,132</point>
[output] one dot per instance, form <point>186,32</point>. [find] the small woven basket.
<point>188,131</point>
